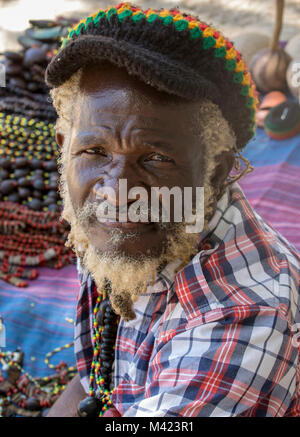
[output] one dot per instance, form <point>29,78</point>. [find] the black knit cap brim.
<point>163,57</point>
<point>151,67</point>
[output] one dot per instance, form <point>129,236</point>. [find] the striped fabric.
<point>40,318</point>
<point>273,188</point>
<point>217,338</point>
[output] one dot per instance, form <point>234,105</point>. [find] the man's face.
<point>124,129</point>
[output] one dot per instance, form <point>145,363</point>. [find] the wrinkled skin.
<point>125,129</point>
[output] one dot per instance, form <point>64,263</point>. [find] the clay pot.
<point>268,68</point>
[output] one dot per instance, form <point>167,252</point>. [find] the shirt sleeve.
<point>243,363</point>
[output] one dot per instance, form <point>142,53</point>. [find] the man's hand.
<point>66,405</point>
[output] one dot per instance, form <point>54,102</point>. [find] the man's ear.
<point>60,139</point>
<point>224,163</point>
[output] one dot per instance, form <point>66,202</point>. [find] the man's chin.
<point>134,243</point>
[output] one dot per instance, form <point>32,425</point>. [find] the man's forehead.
<point>111,95</point>
<point>97,78</point>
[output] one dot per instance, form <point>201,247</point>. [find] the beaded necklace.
<point>26,395</point>
<point>30,239</point>
<point>105,325</point>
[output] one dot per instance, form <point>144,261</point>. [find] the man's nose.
<point>114,187</point>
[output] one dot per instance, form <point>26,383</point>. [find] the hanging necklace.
<point>105,326</point>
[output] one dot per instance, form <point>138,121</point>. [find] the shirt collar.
<point>190,284</point>
<point>167,275</point>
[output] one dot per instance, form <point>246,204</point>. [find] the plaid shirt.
<point>219,338</point>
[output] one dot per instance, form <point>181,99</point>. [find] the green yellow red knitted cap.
<point>170,50</point>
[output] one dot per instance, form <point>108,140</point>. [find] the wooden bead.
<point>7,186</point>
<point>21,162</point>
<point>89,407</point>
<point>33,404</point>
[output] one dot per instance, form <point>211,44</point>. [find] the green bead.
<point>196,33</point>
<point>167,20</point>
<point>111,12</point>
<point>209,42</point>
<point>230,64</point>
<point>250,101</point>
<point>238,77</point>
<point>87,21</point>
<point>181,25</point>
<point>124,14</point>
<point>220,52</point>
<point>245,90</point>
<point>152,18</point>
<point>99,16</point>
<point>80,27</point>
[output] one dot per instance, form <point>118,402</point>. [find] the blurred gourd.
<point>269,66</point>
<point>249,43</point>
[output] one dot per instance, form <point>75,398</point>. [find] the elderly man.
<point>169,322</point>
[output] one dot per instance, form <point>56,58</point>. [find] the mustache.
<point>93,212</point>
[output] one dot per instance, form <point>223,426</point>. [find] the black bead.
<point>89,407</point>
<point>5,163</point>
<point>106,365</point>
<point>14,197</point>
<point>7,186</point>
<point>101,310</point>
<point>20,162</point>
<point>109,332</point>
<point>21,172</point>
<point>107,349</point>
<point>33,404</point>
<point>105,373</point>
<point>109,319</point>
<point>54,175</point>
<point>107,356</point>
<point>53,207</point>
<point>53,194</point>
<point>52,185</point>
<point>37,194</point>
<point>24,182</point>
<point>3,174</point>
<point>107,342</point>
<point>50,165</point>
<point>36,163</point>
<point>48,201</point>
<point>38,184</point>
<point>38,172</point>
<point>34,204</point>
<point>24,192</point>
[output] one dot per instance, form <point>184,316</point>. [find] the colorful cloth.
<point>40,318</point>
<point>273,188</point>
<point>219,338</point>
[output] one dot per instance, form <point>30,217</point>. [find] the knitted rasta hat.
<point>169,50</point>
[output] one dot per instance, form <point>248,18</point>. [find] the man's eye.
<point>95,151</point>
<point>158,157</point>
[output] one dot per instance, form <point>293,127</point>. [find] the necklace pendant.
<point>89,407</point>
